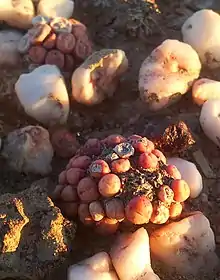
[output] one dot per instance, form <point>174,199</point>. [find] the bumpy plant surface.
<point>58,41</point>
<point>120,179</point>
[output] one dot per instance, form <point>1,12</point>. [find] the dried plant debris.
<point>140,17</point>
<point>172,139</point>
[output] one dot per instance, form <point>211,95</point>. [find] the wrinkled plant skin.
<point>167,74</point>
<point>57,41</point>
<point>98,77</point>
<point>120,179</point>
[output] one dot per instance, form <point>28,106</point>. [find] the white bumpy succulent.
<point>168,73</point>
<point>28,150</point>
<point>201,31</point>
<point>129,259</point>
<point>210,120</point>
<point>97,78</point>
<point>43,95</point>
<point>56,8</point>
<point>17,13</point>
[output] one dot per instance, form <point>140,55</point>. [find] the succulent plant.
<point>120,179</point>
<point>57,41</point>
<point>98,77</point>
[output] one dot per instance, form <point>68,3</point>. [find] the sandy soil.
<point>124,114</point>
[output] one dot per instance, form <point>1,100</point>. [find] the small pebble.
<point>56,8</point>
<point>49,101</point>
